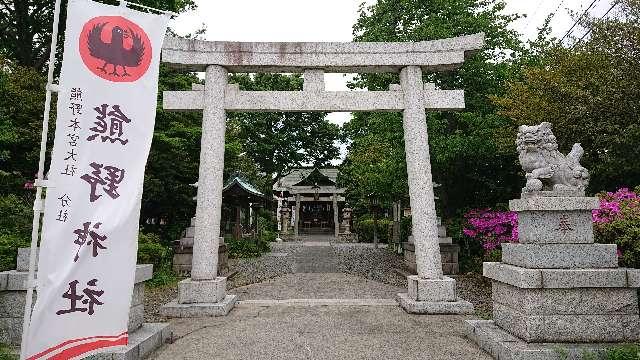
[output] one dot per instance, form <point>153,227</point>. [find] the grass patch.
<point>7,353</point>
<point>163,276</point>
<point>627,352</point>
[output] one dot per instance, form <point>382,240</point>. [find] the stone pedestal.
<point>556,289</point>
<point>197,298</point>
<point>183,252</point>
<point>448,252</point>
<point>143,337</point>
<point>429,296</point>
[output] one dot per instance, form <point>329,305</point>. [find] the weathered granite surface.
<point>355,57</point>
<point>458,307</point>
<point>208,209</point>
<point>560,256</point>
<point>567,328</point>
<point>541,227</point>
<point>221,308</point>
<point>422,198</point>
<point>602,301</point>
<point>201,291</point>
<point>546,169</point>
<point>504,346</point>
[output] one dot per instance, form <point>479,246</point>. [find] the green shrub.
<point>16,217</point>
<point>151,250</point>
<point>9,245</point>
<point>246,248</point>
<point>364,228</point>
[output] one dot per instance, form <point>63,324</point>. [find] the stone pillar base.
<point>176,310</point>
<point>433,296</point>
<point>502,345</point>
<point>199,298</point>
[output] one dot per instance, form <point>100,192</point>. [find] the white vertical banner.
<point>104,126</point>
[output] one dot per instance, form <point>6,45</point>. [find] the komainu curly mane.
<point>546,169</point>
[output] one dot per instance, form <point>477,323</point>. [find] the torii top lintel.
<point>331,57</point>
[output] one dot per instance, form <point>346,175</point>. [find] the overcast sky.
<point>332,20</point>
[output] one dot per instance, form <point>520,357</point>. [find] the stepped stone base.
<point>176,310</point>
<point>142,342</point>
<point>504,346</point>
<point>448,253</point>
<point>183,256</point>
<point>458,307</point>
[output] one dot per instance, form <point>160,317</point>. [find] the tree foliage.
<point>21,103</point>
<point>590,93</point>
<point>465,157</point>
<point>277,141</point>
<point>25,27</point>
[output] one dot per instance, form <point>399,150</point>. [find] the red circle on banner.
<point>115,48</point>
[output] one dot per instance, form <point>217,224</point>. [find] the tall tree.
<point>21,104</point>
<point>277,141</point>
<point>473,170</point>
<point>25,27</point>
<point>590,92</point>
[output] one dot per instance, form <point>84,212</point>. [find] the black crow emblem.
<point>114,53</point>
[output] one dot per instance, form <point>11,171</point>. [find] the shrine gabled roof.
<point>297,176</point>
<point>244,185</point>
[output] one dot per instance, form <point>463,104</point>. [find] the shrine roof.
<point>297,177</point>
<point>244,185</point>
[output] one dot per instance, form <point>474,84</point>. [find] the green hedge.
<point>246,248</point>
<point>16,217</point>
<point>364,229</point>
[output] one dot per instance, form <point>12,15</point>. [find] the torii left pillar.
<point>204,294</point>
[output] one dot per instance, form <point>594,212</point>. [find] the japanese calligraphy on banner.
<point>104,126</point>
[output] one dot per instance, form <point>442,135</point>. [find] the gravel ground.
<point>360,260</point>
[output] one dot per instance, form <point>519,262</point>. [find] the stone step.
<point>502,345</point>
<point>578,328</point>
<point>142,342</point>
<point>561,278</point>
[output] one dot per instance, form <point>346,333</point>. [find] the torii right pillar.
<point>429,292</point>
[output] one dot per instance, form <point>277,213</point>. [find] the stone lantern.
<point>346,219</point>
<point>284,217</point>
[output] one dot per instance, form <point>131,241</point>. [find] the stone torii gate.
<point>204,294</point>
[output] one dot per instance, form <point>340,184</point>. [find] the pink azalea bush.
<point>491,227</point>
<point>617,221</point>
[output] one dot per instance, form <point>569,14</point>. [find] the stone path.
<point>317,286</point>
<point>317,312</point>
<point>320,332</point>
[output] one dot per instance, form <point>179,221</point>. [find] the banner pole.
<point>40,183</point>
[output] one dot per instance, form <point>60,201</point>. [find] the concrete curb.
<point>319,302</point>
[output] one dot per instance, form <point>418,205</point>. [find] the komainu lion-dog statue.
<point>545,167</point>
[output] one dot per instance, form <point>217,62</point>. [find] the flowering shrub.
<point>617,221</point>
<point>491,227</point>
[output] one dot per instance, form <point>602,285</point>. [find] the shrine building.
<point>311,201</point>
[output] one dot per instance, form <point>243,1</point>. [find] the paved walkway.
<point>317,286</point>
<point>318,313</point>
<point>320,332</point>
